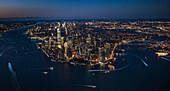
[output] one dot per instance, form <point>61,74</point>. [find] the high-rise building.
<point>94,43</point>
<point>65,50</point>
<point>62,41</point>
<point>106,53</point>
<point>70,40</point>
<point>66,31</point>
<point>65,47</point>
<point>58,24</point>
<point>49,42</point>
<point>88,54</point>
<point>64,24</point>
<point>58,36</point>
<point>100,55</point>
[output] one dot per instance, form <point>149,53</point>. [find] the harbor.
<point>33,69</point>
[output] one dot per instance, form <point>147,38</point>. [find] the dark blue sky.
<point>86,9</point>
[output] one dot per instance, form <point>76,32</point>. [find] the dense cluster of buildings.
<point>80,42</point>
<point>95,42</point>
<point>13,25</point>
<point>158,32</point>
<point>160,28</point>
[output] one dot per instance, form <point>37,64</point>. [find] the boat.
<point>122,50</point>
<point>92,86</point>
<point>72,63</point>
<point>38,47</point>
<point>51,68</point>
<point>45,73</point>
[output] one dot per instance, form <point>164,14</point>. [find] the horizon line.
<point>74,18</point>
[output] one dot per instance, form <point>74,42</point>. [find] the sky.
<point>86,9</point>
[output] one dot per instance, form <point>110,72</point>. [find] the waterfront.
<point>28,62</point>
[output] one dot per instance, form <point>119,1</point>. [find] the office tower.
<point>79,50</point>
<point>49,42</point>
<point>70,40</point>
<point>106,53</point>
<point>66,31</point>
<point>100,55</point>
<point>58,24</point>
<point>65,47</point>
<point>94,43</point>
<point>62,41</point>
<point>88,40</point>
<point>64,24</point>
<point>88,53</point>
<point>58,36</point>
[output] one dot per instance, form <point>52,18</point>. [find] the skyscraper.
<point>100,56</point>
<point>58,37</point>
<point>66,30</point>
<point>70,40</point>
<point>49,42</point>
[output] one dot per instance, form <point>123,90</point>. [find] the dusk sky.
<point>86,9</point>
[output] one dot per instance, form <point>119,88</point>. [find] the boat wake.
<point>14,78</point>
<point>1,53</point>
<point>49,68</point>
<point>165,58</point>
<point>88,86</point>
<point>9,41</point>
<point>143,61</point>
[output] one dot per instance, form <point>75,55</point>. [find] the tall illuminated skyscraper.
<point>64,24</point>
<point>70,40</point>
<point>66,47</point>
<point>66,31</point>
<point>100,56</point>
<point>94,43</point>
<point>65,50</point>
<point>49,42</point>
<point>58,37</point>
<point>62,41</point>
<point>58,24</point>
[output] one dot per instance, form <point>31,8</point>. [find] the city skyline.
<point>87,45</point>
<point>86,9</point>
